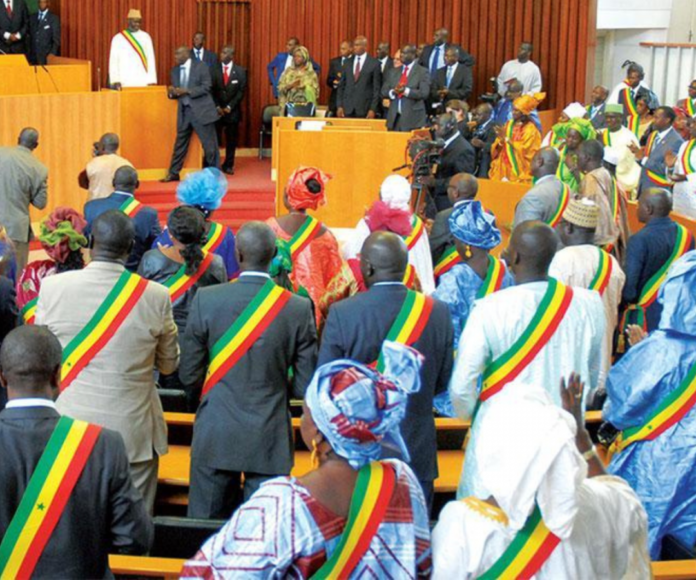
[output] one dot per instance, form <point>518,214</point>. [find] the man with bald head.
<point>243,422</point>
<point>113,384</point>
<point>481,137</point>
<point>23,183</point>
<point>433,55</point>
<point>357,327</point>
<point>597,108</point>
<point>542,201</point>
<point>407,88</point>
<point>648,251</point>
<point>333,78</point>
<point>571,328</point>
<point>360,84</point>
<point>98,176</point>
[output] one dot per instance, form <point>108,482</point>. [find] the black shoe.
<point>170,177</point>
<point>228,170</point>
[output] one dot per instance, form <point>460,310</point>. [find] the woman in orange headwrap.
<point>518,141</point>
<point>317,265</point>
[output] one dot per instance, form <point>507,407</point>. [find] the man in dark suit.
<point>433,55</point>
<point>408,88</point>
<point>243,423</point>
<point>357,327</point>
<point>358,92</point>
<point>191,87</point>
<point>453,81</point>
<point>229,86</point>
<point>597,109</point>
<point>386,63</point>
<point>200,54</point>
<point>283,60</point>
<point>44,35</point>
<point>145,221</point>
<point>14,26</point>
<point>104,513</point>
<point>482,138</point>
<point>333,79</point>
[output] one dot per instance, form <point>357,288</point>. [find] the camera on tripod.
<point>425,155</point>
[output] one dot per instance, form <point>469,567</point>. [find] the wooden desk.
<point>59,77</point>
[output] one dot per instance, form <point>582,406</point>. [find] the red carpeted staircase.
<point>251,195</point>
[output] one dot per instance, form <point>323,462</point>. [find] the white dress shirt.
<point>30,402</point>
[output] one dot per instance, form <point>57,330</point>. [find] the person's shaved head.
<point>30,360</point>
<point>29,138</point>
<point>113,234</point>
<point>255,246</point>
<point>383,258</point>
<point>182,54</point>
<point>654,203</point>
<point>545,162</point>
<point>590,155</point>
<point>533,245</point>
<point>514,90</point>
<point>109,142</point>
<point>462,186</point>
<point>126,179</point>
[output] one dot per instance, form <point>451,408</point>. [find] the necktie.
<point>436,59</point>
<point>9,8</point>
<point>449,76</point>
<point>198,55</point>
<point>226,73</point>
<point>356,74</point>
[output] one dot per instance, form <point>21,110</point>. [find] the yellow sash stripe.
<point>412,320</point>
<point>529,550</point>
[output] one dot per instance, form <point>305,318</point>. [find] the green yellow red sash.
<point>606,137</point>
<point>494,278</point>
<point>47,493</point>
<point>449,259</point>
<point>135,45</point>
<point>304,236</point>
<point>603,274</point>
<point>101,328</point>
<point>368,506</point>
<point>689,167</point>
<point>410,322</point>
<point>651,143</point>
<point>241,336</point>
<point>632,117</point>
<point>562,205</point>
<point>416,232</point>
<point>131,207</point>
<point>633,124</point>
<point>541,328</point>
<point>658,178</point>
<point>180,282</point>
<point>670,411</point>
<point>527,553</point>
<point>216,234</point>
<point>29,311</point>
<point>690,107</point>
<point>409,279</point>
<point>510,150</point>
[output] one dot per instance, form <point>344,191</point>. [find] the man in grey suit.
<point>243,422</point>
<point>408,89</point>
<point>541,201</point>
<point>191,87</point>
<point>23,182</point>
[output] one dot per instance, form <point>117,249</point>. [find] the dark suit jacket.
<point>44,37</point>
<point>464,57</point>
<point>656,159</point>
<point>105,514</point>
<point>599,121</point>
<point>18,23</point>
<point>440,236</point>
<point>243,423</point>
<point>356,328</point>
<point>361,96</point>
<point>387,65</point>
<point>276,67</point>
<point>9,317</point>
<point>413,110</point>
<point>335,73</point>
<point>229,95</point>
<point>146,222</point>
<point>483,154</point>
<point>199,98</point>
<point>458,157</point>
<point>460,86</point>
<point>209,57</point>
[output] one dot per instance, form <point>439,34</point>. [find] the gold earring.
<point>314,457</point>
<point>467,252</point>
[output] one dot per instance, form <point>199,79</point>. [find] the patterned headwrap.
<point>203,190</point>
<point>358,410</point>
<point>299,197</point>
<point>305,55</point>
<point>381,217</point>
<point>584,127</point>
<point>560,130</point>
<point>62,233</point>
<point>473,226</point>
<point>528,103</point>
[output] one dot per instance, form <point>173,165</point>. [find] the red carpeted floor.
<point>251,194</point>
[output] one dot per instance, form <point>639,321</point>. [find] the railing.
<point>671,68</point>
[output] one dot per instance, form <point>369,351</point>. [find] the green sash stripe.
<point>30,305</point>
<point>681,233</point>
<point>299,233</point>
<point>176,277</point>
<point>602,259</point>
<point>133,40</point>
<point>402,316</point>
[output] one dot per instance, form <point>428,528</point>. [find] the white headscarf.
<point>575,111</point>
<point>396,192</point>
<point>526,453</point>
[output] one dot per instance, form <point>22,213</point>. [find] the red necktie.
<point>9,8</point>
<point>225,74</point>
<point>356,74</point>
<point>404,78</point>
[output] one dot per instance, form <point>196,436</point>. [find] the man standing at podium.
<point>132,58</point>
<point>14,23</point>
<point>44,28</point>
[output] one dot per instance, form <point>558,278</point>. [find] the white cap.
<point>396,192</point>
<point>575,111</point>
<point>611,156</point>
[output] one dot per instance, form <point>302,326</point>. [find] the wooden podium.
<point>62,75</point>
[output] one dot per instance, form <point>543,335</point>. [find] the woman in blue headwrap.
<point>204,190</point>
<point>353,516</point>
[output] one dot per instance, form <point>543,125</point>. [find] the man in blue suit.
<point>282,61</point>
<point>199,53</point>
<point>145,220</point>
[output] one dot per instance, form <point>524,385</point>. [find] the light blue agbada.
<point>661,471</point>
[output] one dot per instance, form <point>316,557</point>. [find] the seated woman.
<point>302,528</point>
<point>298,85</point>
<point>63,240</point>
<point>548,510</point>
<point>576,131</point>
<point>644,388</point>
<point>393,213</point>
<point>316,261</point>
<point>517,142</point>
<point>557,135</point>
<point>204,191</point>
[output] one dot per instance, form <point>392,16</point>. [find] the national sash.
<point>690,107</point>
<point>368,506</point>
<point>449,259</point>
<point>241,336</point>
<point>135,45</point>
<point>409,279</point>
<point>527,553</point>
<point>689,167</point>
<point>603,274</point>
<point>416,232</point>
<point>494,278</point>
<point>103,325</point>
<point>542,327</point>
<point>615,201</point>
<point>562,205</point>
<point>180,282</point>
<point>131,207</point>
<point>304,236</point>
<point>47,493</point>
<point>606,138</point>
<point>216,234</point>
<point>510,150</point>
<point>29,311</point>
<point>410,322</point>
<point>658,178</point>
<point>669,412</point>
<point>632,117</point>
<point>633,124</point>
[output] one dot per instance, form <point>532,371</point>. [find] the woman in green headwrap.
<point>299,84</point>
<point>577,131</point>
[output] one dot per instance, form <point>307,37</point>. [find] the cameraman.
<point>98,176</point>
